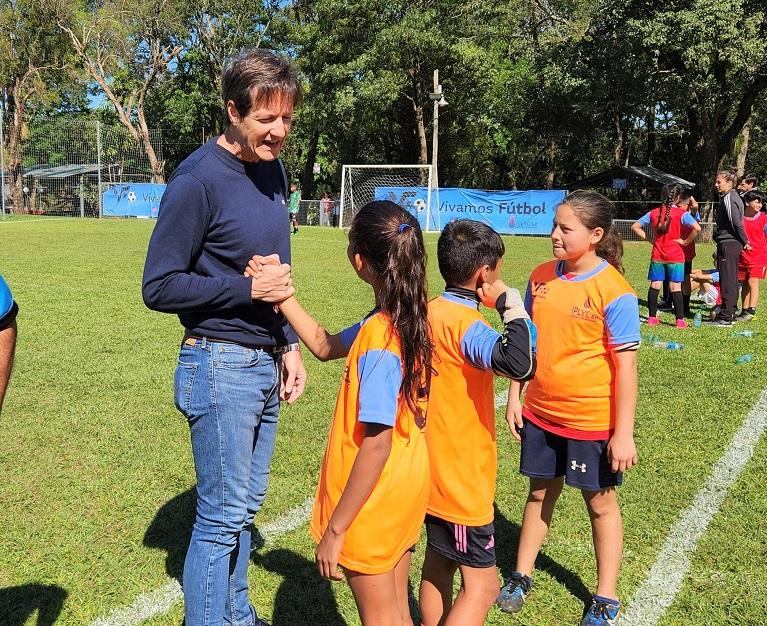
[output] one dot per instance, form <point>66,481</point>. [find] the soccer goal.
<point>410,186</point>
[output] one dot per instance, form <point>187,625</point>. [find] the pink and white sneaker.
<point>681,324</point>
<point>652,321</point>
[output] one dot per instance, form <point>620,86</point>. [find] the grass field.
<point>96,476</point>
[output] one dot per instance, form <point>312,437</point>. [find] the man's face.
<point>743,186</point>
<point>262,131</point>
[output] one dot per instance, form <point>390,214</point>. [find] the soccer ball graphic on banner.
<point>131,196</point>
<point>420,204</point>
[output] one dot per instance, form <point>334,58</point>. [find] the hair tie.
<point>404,227</point>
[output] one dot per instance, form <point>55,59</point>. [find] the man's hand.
<point>270,279</point>
<point>489,293</point>
<point>292,377</point>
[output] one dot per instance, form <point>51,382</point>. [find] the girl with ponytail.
<point>667,260</point>
<point>577,423</point>
<point>374,483</point>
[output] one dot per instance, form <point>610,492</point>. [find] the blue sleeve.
<point>8,308</point>
<point>689,220</point>
<point>644,220</point>
<point>697,216</point>
<point>168,285</point>
<point>622,320</point>
<point>765,229</point>
<point>348,335</point>
<point>477,345</point>
<point>380,379</point>
<point>529,300</point>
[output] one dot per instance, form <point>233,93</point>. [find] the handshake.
<point>270,279</point>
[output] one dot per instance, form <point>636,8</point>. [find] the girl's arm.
<point>371,458</point>
<point>621,449</point>
<point>322,344</point>
<point>638,230</point>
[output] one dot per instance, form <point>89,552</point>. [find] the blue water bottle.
<point>744,358</point>
<point>697,320</point>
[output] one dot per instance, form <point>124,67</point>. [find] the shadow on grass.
<point>507,539</point>
<point>18,604</point>
<point>303,597</point>
<point>171,530</point>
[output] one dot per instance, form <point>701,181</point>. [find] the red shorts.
<point>751,271</point>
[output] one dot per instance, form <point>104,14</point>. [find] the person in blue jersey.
<point>8,311</point>
<point>225,203</point>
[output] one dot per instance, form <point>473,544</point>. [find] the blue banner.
<point>133,200</point>
<point>507,212</point>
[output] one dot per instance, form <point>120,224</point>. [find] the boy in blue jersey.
<point>8,311</point>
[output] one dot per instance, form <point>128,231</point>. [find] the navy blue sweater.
<point>216,213</point>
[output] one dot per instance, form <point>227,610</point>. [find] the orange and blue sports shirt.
<point>665,248</point>
<point>460,430</point>
<point>580,320</point>
<point>8,307</point>
<point>390,520</point>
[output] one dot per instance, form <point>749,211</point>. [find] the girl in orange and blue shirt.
<point>577,423</point>
<point>374,484</point>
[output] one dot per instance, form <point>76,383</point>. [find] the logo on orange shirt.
<point>539,290</point>
<point>585,313</point>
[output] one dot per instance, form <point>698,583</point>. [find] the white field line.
<point>665,579</point>
<point>38,220</point>
<point>162,599</point>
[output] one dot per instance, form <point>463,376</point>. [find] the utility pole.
<point>439,101</point>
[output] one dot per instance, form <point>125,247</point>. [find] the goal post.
<point>410,186</point>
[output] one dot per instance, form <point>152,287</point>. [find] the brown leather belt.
<point>191,340</point>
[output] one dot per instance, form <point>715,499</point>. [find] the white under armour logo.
<point>574,466</point>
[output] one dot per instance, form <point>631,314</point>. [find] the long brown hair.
<point>596,211</point>
<point>390,239</point>
<point>671,194</point>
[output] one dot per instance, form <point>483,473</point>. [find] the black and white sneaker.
<point>719,322</point>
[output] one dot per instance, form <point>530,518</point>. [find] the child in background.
<point>668,258</point>
<point>688,202</point>
<point>295,203</point>
<point>752,265</point>
<point>374,483</point>
<point>577,423</point>
<point>461,415</point>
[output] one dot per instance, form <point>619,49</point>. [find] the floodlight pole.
<point>439,101</point>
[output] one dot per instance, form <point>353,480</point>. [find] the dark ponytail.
<point>596,211</point>
<point>671,192</point>
<point>390,240</point>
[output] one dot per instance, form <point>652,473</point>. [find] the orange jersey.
<point>390,520</point>
<point>579,320</point>
<point>461,417</point>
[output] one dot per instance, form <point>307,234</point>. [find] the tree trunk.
<point>650,122</point>
<point>551,151</point>
<point>14,149</point>
<point>743,150</point>
<point>307,179</point>
<point>618,137</point>
<point>417,100</point>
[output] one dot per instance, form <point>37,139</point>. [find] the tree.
<point>33,68</point>
<point>125,48</point>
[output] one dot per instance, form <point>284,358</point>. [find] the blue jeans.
<point>230,396</point>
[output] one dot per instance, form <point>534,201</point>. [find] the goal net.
<point>410,186</point>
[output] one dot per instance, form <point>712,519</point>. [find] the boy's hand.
<point>622,453</point>
<point>514,417</point>
<point>489,293</point>
<point>327,553</point>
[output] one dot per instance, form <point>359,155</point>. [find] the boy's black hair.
<point>465,246</point>
<point>751,179</point>
<point>754,194</point>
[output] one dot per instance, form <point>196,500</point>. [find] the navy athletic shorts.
<point>584,464</point>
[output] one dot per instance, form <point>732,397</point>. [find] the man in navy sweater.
<point>224,204</point>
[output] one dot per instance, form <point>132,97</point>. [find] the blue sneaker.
<point>514,592</point>
<point>602,612</point>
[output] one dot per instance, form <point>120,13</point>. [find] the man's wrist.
<point>291,347</point>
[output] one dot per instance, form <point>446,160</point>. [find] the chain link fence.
<point>57,167</point>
